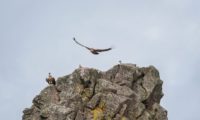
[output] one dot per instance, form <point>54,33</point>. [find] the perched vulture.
<point>51,80</point>
<point>92,50</point>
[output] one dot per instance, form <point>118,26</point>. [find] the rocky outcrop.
<point>125,92</point>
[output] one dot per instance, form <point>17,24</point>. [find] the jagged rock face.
<point>125,92</point>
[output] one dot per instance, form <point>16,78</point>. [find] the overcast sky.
<point>36,38</point>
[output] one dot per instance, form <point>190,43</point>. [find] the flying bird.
<point>92,50</point>
<point>51,80</point>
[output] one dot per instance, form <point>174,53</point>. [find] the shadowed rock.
<point>125,92</point>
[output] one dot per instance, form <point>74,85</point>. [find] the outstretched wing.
<point>102,50</point>
<point>80,43</point>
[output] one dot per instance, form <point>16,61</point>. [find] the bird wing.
<point>80,44</point>
<point>54,81</point>
<point>102,50</point>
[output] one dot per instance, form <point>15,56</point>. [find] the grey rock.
<point>124,92</point>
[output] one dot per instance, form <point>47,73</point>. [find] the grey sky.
<point>36,38</point>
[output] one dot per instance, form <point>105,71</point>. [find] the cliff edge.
<point>124,92</point>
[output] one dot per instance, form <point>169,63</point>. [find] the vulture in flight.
<point>51,80</point>
<point>92,50</point>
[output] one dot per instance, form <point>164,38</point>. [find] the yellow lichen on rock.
<point>124,118</point>
<point>79,88</point>
<point>102,105</point>
<point>97,113</point>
